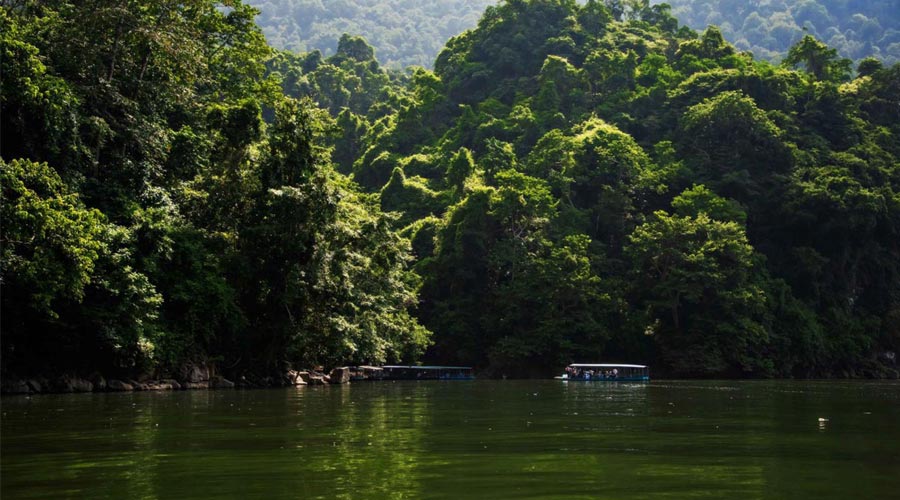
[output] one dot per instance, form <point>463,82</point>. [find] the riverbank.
<point>205,377</point>
<point>191,377</point>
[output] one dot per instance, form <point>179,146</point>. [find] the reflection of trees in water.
<point>141,470</point>
<point>378,432</point>
<point>327,442</point>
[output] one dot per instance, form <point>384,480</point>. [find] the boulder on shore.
<point>195,385</point>
<point>82,385</point>
<point>138,386</point>
<point>99,382</point>
<point>194,373</point>
<point>339,376</point>
<point>161,385</point>
<point>118,386</point>
<point>171,382</point>
<point>68,384</point>
<point>295,378</point>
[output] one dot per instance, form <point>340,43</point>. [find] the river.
<point>477,439</point>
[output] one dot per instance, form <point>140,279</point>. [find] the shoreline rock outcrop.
<point>114,385</point>
<point>294,377</point>
<point>339,376</point>
<point>191,376</point>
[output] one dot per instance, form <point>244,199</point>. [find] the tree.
<point>819,60</point>
<point>868,66</point>
<point>356,48</point>
<point>695,277</point>
<point>700,200</point>
<point>322,275</point>
<point>51,242</point>
<point>71,295</point>
<point>733,145</point>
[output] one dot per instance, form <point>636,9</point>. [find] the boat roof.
<point>588,365</point>
<point>430,367</point>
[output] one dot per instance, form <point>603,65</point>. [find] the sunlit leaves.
<point>51,242</point>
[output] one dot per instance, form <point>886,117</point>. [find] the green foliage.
<point>51,242</point>
<point>493,253</point>
<point>868,66</point>
<point>725,210</point>
<point>461,166</point>
<point>819,60</point>
<point>733,146</point>
<point>350,79</point>
<point>37,107</point>
<point>69,284</point>
<point>409,196</point>
<point>179,225</point>
<point>700,200</point>
<point>572,183</point>
<point>694,276</point>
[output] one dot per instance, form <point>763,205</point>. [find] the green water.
<point>481,439</point>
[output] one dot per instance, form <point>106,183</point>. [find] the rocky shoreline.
<point>191,377</point>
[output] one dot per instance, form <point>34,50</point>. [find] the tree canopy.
<point>165,202</point>
<point>572,182</point>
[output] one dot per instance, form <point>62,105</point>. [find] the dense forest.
<point>407,32</point>
<point>768,28</point>
<point>403,32</point>
<point>571,183</point>
<point>151,215</point>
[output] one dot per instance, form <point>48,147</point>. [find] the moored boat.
<point>394,372</point>
<point>605,372</point>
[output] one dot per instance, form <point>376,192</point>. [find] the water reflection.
<point>376,441</point>
<point>492,439</point>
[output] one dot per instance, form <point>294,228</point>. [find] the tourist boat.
<point>605,373</point>
<point>428,373</point>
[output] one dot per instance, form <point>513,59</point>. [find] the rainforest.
<point>570,182</point>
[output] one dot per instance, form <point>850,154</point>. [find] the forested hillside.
<point>597,183</point>
<point>768,28</point>
<point>403,32</point>
<point>152,217</point>
<point>412,32</point>
<point>570,183</point>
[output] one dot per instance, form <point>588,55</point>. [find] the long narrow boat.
<point>428,373</point>
<point>585,372</point>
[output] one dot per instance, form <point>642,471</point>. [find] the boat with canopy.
<point>605,372</point>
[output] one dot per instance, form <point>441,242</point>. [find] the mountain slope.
<point>578,186</point>
<point>403,32</point>
<point>769,28</point>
